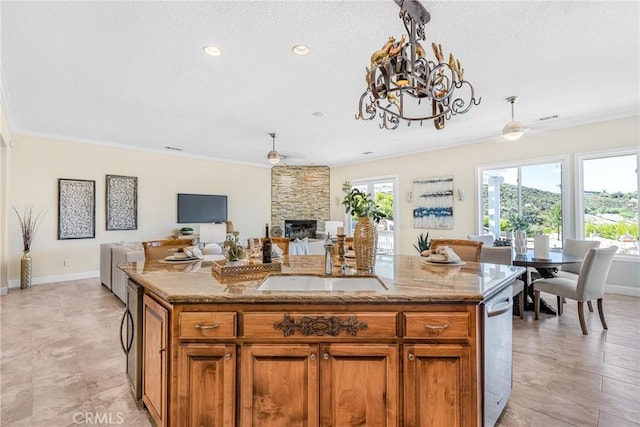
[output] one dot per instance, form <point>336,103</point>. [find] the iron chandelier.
<point>402,82</point>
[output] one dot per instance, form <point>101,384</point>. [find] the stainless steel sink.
<point>302,283</point>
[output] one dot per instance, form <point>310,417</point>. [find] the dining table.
<point>547,268</point>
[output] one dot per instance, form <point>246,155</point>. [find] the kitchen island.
<point>406,353</point>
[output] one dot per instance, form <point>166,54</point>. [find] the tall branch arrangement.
<point>29,225</point>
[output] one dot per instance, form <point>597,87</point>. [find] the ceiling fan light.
<point>273,157</point>
<point>513,130</point>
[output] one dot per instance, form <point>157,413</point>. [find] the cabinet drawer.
<point>437,325</point>
<point>207,325</point>
<point>325,325</point>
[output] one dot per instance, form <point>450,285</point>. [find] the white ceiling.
<point>134,73</point>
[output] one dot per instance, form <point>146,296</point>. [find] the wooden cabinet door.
<point>359,385</point>
<point>438,386</point>
<point>279,385</point>
<point>155,354</point>
<point>206,391</point>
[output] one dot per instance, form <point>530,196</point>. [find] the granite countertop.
<point>407,279</point>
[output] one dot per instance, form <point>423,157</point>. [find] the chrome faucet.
<point>328,256</point>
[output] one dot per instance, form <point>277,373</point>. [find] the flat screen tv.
<point>201,208</point>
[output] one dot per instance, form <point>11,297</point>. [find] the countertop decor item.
<point>365,235</point>
<point>224,272</point>
<point>233,248</point>
<point>520,224</point>
<point>403,84</point>
<point>29,226</point>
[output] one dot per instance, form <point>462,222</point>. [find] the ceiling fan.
<point>513,130</point>
<point>273,156</point>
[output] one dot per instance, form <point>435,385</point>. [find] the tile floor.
<point>61,363</point>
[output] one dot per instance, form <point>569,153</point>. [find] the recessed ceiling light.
<point>300,50</point>
<point>212,51</point>
<point>318,114</point>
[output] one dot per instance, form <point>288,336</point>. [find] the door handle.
<point>130,316</point>
<point>499,307</point>
<point>212,326</point>
<point>124,315</point>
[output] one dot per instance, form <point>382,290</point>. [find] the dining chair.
<point>589,285</point>
<point>155,250</point>
<point>467,250</point>
<point>486,239</point>
<point>283,243</point>
<point>577,248</point>
<point>504,255</point>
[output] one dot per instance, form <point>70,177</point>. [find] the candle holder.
<point>341,248</point>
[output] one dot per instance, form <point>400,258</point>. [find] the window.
<point>533,191</point>
<point>608,199</point>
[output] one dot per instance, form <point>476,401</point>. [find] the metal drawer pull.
<point>442,327</point>
<point>411,356</point>
<point>214,326</point>
<point>313,356</point>
<point>326,355</point>
<point>227,356</point>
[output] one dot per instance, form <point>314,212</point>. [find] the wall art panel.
<point>433,202</point>
<point>121,202</point>
<point>76,209</point>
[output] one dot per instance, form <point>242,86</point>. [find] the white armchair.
<point>578,248</point>
<point>486,239</point>
<point>589,285</point>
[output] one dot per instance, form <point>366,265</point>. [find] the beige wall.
<point>37,163</point>
<point>32,166</point>
<point>461,162</point>
<point>5,138</point>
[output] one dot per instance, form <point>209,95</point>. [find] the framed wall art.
<point>433,203</point>
<point>121,202</point>
<point>76,209</point>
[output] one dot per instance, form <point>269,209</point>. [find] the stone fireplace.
<point>299,193</point>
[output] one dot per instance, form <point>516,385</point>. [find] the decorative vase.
<point>25,270</point>
<point>520,242</point>
<point>365,239</point>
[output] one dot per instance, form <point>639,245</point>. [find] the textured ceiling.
<point>134,73</point>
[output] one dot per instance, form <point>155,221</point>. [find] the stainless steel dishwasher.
<point>497,350</point>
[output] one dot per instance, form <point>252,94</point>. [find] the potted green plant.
<point>233,249</point>
<point>360,203</point>
<point>365,237</point>
<point>423,245</point>
<point>186,231</point>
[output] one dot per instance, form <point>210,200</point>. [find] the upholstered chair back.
<point>578,248</point>
<point>467,250</point>
<point>594,271</point>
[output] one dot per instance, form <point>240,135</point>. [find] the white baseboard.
<point>55,279</point>
<point>4,290</point>
<point>622,290</point>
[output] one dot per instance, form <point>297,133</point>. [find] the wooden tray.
<point>226,273</point>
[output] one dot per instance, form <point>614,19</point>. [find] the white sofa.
<point>112,255</point>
